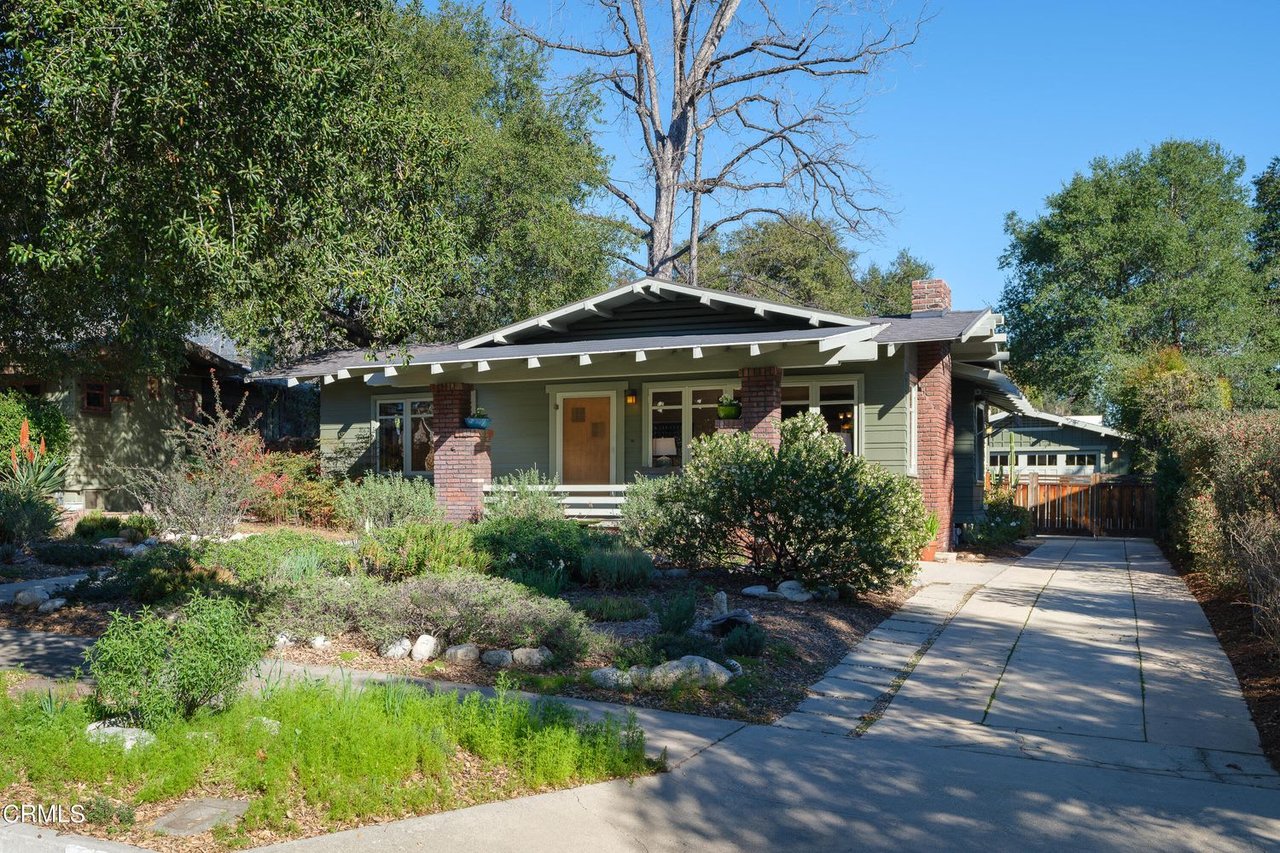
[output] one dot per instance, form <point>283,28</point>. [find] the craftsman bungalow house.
<point>618,385</point>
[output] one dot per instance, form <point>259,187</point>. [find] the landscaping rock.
<point>399,650</point>
<point>118,542</point>
<point>107,730</point>
<point>197,816</point>
<point>693,668</point>
<point>672,573</point>
<point>794,591</point>
<point>719,605</point>
<point>32,597</point>
<point>51,605</point>
<point>282,641</point>
<point>721,625</point>
<point>500,658</point>
<point>532,658</point>
<point>611,678</point>
<point>826,593</point>
<point>272,726</point>
<point>464,653</point>
<point>639,675</point>
<point>764,592</point>
<point>426,647</point>
<point>734,667</point>
<point>151,541</point>
<point>319,642</point>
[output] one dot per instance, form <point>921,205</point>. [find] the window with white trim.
<point>405,437</point>
<point>1082,460</point>
<point>1038,460</point>
<point>838,399</point>
<point>679,413</point>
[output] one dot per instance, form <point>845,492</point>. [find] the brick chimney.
<point>930,294</point>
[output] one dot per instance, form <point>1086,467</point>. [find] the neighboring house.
<point>119,422</point>
<point>1040,443</point>
<point>617,386</point>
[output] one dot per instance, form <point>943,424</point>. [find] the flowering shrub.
<point>43,420</point>
<point>808,511</point>
<point>28,486</point>
<point>385,500</point>
<point>291,487</point>
<point>1005,521</point>
<point>208,488</point>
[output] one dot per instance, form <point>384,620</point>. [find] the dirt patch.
<point>805,640</point>
<point>997,553</point>
<point>1255,661</point>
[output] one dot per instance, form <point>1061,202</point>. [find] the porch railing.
<point>586,503</point>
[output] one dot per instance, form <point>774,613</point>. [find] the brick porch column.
<point>762,402</point>
<point>462,465</point>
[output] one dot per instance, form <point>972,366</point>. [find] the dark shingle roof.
<point>941,326</point>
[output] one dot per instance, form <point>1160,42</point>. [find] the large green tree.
<point>1266,232</point>
<point>803,260</point>
<point>1144,252</point>
<point>305,173</point>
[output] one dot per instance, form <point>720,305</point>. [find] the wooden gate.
<point>1096,505</point>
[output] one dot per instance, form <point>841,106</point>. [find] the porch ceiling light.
<point>631,397</point>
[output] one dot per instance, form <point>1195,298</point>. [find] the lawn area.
<point>309,759</point>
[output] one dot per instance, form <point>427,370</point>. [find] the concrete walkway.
<point>1076,699</point>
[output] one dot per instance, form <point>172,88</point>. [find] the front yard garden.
<point>770,565</point>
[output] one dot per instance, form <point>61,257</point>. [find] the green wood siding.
<point>1048,437</point>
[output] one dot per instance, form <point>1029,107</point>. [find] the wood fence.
<point>1096,505</point>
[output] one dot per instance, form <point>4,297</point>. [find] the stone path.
<point>1088,651</point>
<point>51,585</point>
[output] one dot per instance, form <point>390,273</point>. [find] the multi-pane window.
<point>1082,460</point>
<point>1038,460</point>
<point>95,399</point>
<point>835,399</point>
<point>679,415</point>
<point>405,437</point>
<point>998,460</point>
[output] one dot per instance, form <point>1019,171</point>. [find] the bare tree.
<point>766,146</point>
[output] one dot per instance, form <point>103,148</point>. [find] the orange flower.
<point>43,449</point>
<point>13,454</point>
<point>24,435</point>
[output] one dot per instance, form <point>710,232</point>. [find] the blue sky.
<point>1000,102</point>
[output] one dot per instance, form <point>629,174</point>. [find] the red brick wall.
<point>930,294</point>
<point>462,468</point>
<point>936,435</point>
<point>762,402</point>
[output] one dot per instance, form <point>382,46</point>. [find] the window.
<point>836,399</point>
<point>1082,460</point>
<point>95,399</point>
<point>24,386</point>
<point>998,460</point>
<point>677,415</point>
<point>406,440</point>
<point>1038,460</point>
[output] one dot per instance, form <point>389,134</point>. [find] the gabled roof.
<point>1076,423</point>
<point>654,290</point>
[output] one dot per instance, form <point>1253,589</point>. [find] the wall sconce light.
<point>631,397</point>
<point>1115,454</point>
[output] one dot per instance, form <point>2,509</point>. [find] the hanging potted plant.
<point>728,409</point>
<point>930,550</point>
<point>479,419</point>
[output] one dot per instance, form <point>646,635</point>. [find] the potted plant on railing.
<point>479,419</point>
<point>930,550</point>
<point>728,409</point>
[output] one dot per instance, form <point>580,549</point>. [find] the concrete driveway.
<point>1077,699</point>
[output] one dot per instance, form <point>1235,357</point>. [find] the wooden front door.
<point>585,451</point>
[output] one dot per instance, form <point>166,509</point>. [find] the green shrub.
<point>419,548</point>
<point>165,572</point>
<point>807,511</point>
<point>385,500</point>
<point>318,604</point>
<point>489,611</point>
<point>524,494</point>
<point>8,553</point>
<point>73,554</point>
<point>744,641</point>
<point>526,547</point>
<point>617,568</point>
<point>664,647</point>
<point>613,608</point>
<point>284,553</point>
<point>25,518</point>
<point>677,613</point>
<point>97,525</point>
<point>1004,522</point>
<point>141,522</point>
<point>292,487</point>
<point>45,417</point>
<point>152,671</point>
